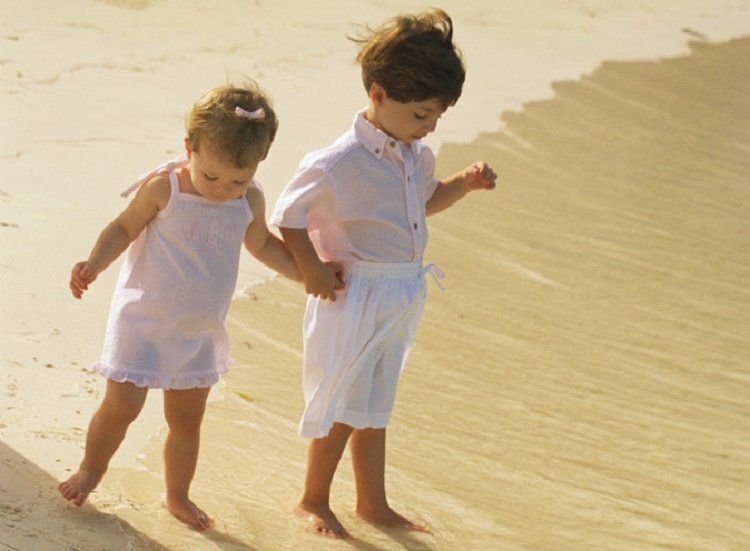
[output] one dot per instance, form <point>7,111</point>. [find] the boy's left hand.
<point>480,176</point>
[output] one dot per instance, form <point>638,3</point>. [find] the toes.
<point>204,523</point>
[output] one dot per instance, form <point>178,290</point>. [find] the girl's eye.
<point>209,178</point>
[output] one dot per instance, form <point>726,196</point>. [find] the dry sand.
<point>583,382</point>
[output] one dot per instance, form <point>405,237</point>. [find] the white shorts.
<point>355,348</point>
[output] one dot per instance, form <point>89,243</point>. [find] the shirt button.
<point>392,143</point>
<point>377,150</point>
<point>415,225</point>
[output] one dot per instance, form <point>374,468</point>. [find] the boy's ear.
<point>188,151</point>
<point>377,93</point>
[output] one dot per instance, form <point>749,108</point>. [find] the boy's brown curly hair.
<point>413,58</point>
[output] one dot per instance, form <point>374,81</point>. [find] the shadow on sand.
<point>34,516</point>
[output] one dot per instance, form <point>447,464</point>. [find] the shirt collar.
<point>372,138</point>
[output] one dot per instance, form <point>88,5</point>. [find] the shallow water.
<point>582,383</point>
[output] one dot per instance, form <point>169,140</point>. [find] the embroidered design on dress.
<point>210,233</point>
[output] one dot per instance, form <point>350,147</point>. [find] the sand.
<point>581,383</point>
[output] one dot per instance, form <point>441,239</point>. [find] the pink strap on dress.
<point>176,162</point>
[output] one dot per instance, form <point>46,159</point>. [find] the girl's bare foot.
<point>78,487</point>
<point>389,517</point>
<point>322,520</point>
<point>188,512</point>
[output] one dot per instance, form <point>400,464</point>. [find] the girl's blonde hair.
<point>215,122</point>
<point>413,58</point>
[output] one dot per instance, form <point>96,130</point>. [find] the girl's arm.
<point>451,189</point>
<point>117,236</point>
<point>322,279</point>
<point>264,245</point>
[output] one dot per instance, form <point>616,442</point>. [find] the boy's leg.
<point>183,410</point>
<point>368,459</point>
<point>121,405</point>
<point>323,456</point>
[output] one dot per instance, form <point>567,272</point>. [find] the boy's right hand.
<point>83,274</point>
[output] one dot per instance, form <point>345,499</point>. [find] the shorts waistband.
<point>390,269</point>
<point>394,269</point>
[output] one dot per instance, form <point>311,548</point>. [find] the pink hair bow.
<point>258,115</point>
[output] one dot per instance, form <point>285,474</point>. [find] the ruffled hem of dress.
<point>157,381</point>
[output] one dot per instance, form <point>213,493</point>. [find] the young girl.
<point>363,201</point>
<point>187,223</point>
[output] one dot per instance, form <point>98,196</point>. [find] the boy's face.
<point>404,121</point>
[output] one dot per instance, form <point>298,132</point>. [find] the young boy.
<point>362,201</point>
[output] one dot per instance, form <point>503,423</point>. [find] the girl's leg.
<point>368,459</point>
<point>183,410</point>
<point>323,456</point>
<point>121,405</point>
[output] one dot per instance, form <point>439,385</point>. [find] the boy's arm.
<point>264,245</point>
<point>321,279</point>
<point>123,230</point>
<point>455,187</point>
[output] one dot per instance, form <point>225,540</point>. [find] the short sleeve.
<point>305,202</point>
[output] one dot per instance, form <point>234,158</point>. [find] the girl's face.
<point>216,179</point>
<point>404,121</point>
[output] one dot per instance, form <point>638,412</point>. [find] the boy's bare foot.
<point>389,517</point>
<point>78,487</point>
<point>322,520</point>
<point>189,513</point>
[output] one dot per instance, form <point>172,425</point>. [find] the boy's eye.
<point>209,178</point>
<point>419,117</point>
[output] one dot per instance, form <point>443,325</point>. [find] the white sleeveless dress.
<point>166,321</point>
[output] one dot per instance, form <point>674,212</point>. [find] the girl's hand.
<point>480,176</point>
<point>338,271</point>
<point>83,275</point>
<point>322,283</point>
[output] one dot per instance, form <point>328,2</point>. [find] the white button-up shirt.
<point>363,197</point>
